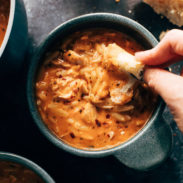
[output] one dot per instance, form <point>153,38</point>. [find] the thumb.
<point>170,87</point>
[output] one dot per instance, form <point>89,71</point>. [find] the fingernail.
<point>139,54</point>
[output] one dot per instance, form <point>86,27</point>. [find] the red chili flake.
<point>104,123</point>
<point>108,116</point>
<point>117,84</point>
<point>60,76</point>
<point>72,135</point>
<point>75,90</point>
<point>126,126</point>
<point>98,109</point>
<point>82,95</point>
<point>118,122</point>
<point>98,123</point>
<point>63,79</point>
<point>91,146</point>
<point>66,101</point>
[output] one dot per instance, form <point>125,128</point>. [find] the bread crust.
<point>172,9</point>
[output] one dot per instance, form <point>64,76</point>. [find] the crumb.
<point>129,11</point>
<point>170,69</point>
<point>117,1</point>
<point>122,133</point>
<point>162,34</point>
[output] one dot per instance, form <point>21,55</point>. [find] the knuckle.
<point>174,33</point>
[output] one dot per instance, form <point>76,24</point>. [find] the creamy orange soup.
<point>4,14</point>
<point>84,102</point>
<point>15,173</point>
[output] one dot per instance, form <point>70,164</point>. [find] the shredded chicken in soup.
<point>84,100</point>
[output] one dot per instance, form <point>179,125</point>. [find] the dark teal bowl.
<point>14,45</point>
<point>148,148</point>
<point>4,156</point>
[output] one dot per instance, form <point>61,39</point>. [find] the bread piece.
<point>123,61</point>
<point>172,9</point>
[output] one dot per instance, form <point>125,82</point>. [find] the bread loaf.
<point>172,9</point>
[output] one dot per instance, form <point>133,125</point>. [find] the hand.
<point>168,85</point>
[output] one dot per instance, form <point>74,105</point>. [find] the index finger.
<point>170,48</point>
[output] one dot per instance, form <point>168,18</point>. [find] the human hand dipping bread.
<point>168,85</point>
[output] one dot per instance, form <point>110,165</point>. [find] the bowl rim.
<point>6,156</point>
<point>9,26</point>
<point>32,71</point>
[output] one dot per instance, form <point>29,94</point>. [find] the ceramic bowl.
<point>14,45</point>
<point>4,156</point>
<point>152,144</point>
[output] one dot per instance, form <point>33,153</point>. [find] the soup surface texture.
<point>15,173</point>
<point>4,15</point>
<point>84,100</point>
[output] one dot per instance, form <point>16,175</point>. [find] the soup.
<point>15,173</point>
<point>4,15</point>
<point>85,101</point>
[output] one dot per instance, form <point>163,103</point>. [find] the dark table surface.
<point>19,134</point>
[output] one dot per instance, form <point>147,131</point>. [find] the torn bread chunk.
<point>123,94</point>
<point>172,9</point>
<point>123,61</point>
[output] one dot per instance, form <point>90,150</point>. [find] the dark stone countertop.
<point>19,134</point>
